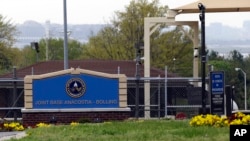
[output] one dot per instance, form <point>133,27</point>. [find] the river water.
<point>224,50</point>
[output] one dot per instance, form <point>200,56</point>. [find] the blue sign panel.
<point>217,86</point>
<point>75,91</point>
<point>217,83</point>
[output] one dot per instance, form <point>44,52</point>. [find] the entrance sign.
<point>72,94</point>
<point>217,89</point>
<point>75,88</point>
<point>75,91</point>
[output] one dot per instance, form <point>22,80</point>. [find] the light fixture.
<point>34,45</point>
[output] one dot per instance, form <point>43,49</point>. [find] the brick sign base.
<point>31,117</point>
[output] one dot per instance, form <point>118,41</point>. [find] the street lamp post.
<point>202,9</point>
<point>245,87</point>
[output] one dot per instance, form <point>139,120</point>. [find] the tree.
<point>5,61</point>
<point>236,56</point>
<point>174,49</point>
<point>233,78</point>
<point>214,55</point>
<point>106,45</point>
<point>56,49</point>
<point>7,33</point>
<point>117,40</point>
<point>28,56</point>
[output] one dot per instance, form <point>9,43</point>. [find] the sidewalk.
<point>4,136</point>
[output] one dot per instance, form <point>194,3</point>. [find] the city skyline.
<point>98,12</point>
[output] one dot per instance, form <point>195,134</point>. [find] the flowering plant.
<point>214,120</point>
<point>43,125</point>
<point>12,126</point>
<point>74,123</point>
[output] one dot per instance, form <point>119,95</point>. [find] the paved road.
<point>8,135</point>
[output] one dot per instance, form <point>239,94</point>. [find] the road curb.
<point>4,136</point>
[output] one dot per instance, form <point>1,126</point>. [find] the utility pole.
<point>137,76</point>
<point>14,92</point>
<point>66,64</point>
<point>47,39</point>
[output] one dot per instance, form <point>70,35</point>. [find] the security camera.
<point>196,52</point>
<point>201,6</point>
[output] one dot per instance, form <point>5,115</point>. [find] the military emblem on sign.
<point>75,87</point>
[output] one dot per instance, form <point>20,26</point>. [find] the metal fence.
<point>168,97</point>
<point>11,97</point>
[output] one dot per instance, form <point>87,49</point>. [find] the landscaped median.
<point>200,127</point>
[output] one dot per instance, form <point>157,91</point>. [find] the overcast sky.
<point>95,11</point>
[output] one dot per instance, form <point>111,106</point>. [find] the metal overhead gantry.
<point>150,25</point>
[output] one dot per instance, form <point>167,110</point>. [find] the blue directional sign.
<point>217,89</point>
<point>217,83</point>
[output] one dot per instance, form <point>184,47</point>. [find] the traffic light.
<point>139,47</point>
<point>35,46</point>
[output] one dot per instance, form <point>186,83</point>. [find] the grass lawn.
<point>131,130</point>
